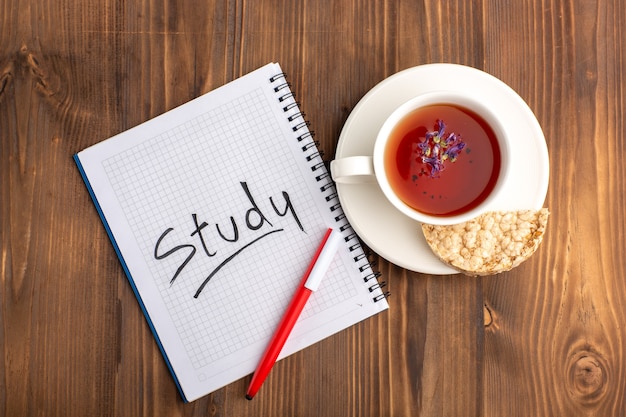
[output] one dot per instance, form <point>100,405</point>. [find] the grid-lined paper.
<point>223,184</point>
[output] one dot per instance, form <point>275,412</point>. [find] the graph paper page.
<point>215,209</point>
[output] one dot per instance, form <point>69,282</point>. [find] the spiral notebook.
<point>215,209</point>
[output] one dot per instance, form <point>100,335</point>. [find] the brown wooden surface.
<point>546,339</point>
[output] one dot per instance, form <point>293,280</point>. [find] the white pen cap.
<point>323,260</point>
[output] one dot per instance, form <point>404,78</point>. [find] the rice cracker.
<point>491,243</point>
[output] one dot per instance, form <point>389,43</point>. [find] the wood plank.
<point>555,344</point>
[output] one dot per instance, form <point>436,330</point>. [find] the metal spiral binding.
<point>313,156</point>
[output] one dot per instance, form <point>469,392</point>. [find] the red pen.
<point>311,280</point>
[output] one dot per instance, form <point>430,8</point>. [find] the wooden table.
<point>545,339</point>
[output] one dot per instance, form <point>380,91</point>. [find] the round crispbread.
<point>491,243</point>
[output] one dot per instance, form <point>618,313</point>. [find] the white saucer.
<point>384,229</point>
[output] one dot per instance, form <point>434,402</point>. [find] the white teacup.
<point>366,168</point>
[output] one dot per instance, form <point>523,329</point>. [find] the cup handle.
<point>353,170</point>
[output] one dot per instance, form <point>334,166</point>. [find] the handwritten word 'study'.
<point>256,220</point>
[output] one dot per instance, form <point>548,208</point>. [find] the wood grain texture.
<point>545,339</point>
<point>556,344</point>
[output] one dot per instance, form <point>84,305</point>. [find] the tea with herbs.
<point>442,159</point>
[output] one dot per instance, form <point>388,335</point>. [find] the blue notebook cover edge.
<point>83,174</point>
